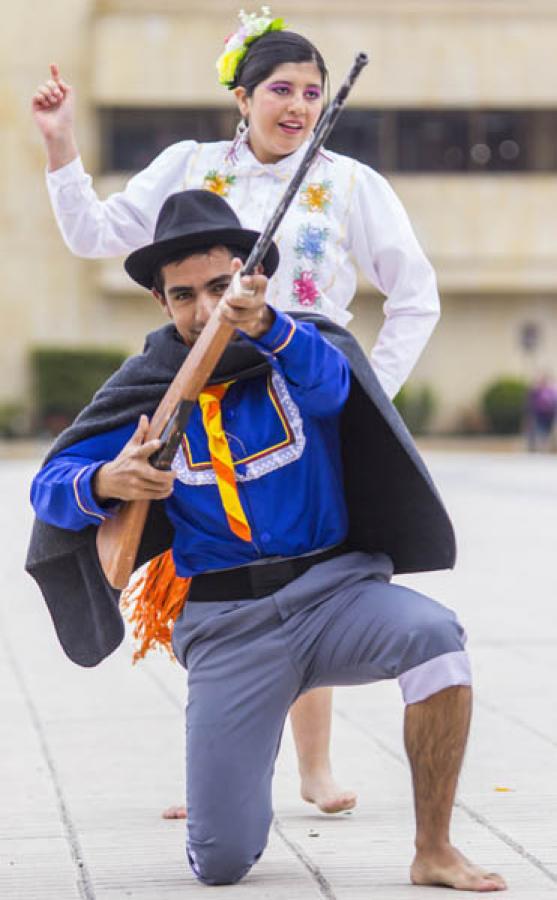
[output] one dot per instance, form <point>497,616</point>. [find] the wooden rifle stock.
<point>118,538</point>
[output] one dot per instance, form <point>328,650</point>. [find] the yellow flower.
<point>218,184</point>
<point>316,197</point>
<point>227,63</point>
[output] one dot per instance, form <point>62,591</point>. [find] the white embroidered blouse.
<point>345,213</point>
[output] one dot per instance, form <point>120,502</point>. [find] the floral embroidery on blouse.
<point>311,242</point>
<point>217,183</point>
<point>305,292</point>
<point>317,196</point>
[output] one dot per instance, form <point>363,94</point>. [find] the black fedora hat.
<point>191,220</point>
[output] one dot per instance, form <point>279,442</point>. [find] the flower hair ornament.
<point>252,26</point>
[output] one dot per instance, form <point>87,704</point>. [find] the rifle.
<point>118,538</point>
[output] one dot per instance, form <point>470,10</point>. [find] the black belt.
<point>253,582</point>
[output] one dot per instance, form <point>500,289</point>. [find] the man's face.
<point>192,289</point>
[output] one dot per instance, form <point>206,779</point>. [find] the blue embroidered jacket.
<point>283,432</point>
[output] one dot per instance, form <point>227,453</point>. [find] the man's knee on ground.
<point>214,865</point>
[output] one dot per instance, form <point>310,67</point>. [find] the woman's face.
<point>283,110</point>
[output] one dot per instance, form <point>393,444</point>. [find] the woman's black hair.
<point>272,50</point>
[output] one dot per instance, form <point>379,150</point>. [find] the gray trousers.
<point>248,660</point>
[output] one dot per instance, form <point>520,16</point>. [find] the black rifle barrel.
<point>320,135</point>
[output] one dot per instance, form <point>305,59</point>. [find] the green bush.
<point>503,402</point>
<point>416,405</point>
<point>13,420</point>
<point>65,380</point>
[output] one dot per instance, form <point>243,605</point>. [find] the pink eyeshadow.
<point>287,84</point>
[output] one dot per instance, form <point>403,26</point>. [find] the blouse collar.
<point>285,167</point>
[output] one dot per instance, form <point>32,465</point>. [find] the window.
<point>361,133</point>
<point>475,141</point>
<point>131,138</point>
<point>431,141</point>
<point>401,140</point>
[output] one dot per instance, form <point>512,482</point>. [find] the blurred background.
<point>458,109</point>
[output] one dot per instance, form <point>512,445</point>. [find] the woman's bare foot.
<point>175,812</point>
<point>448,867</point>
<point>322,789</point>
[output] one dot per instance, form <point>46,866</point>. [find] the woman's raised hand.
<point>53,111</point>
<point>52,104</point>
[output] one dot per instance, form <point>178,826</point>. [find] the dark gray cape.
<point>392,502</point>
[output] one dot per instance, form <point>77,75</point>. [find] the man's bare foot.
<point>449,868</point>
<point>175,812</point>
<point>323,790</point>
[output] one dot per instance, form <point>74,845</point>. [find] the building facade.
<point>458,109</point>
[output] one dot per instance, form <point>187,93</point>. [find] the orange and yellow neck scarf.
<point>154,601</point>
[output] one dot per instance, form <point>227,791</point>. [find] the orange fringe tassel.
<point>153,603</point>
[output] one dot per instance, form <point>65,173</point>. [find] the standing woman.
<point>345,213</point>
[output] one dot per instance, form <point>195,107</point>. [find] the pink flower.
<point>305,289</point>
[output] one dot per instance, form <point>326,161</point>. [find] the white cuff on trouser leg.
<point>434,675</point>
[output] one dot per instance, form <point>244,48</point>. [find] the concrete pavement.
<point>89,758</point>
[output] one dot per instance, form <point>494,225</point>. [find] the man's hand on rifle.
<point>244,305</point>
<point>130,476</point>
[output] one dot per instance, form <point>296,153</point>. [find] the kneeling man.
<point>294,496</point>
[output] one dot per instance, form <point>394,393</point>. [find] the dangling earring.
<point>239,138</point>
<point>241,129</point>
